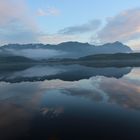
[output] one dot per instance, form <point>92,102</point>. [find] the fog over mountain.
<point>63,50</point>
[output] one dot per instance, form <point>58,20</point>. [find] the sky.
<point>56,21</point>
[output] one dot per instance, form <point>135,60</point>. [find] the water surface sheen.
<point>70,103</point>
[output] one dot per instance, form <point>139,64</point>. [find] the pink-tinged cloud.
<point>8,11</point>
<point>11,10</point>
<point>17,25</point>
<point>122,27</point>
<point>135,43</point>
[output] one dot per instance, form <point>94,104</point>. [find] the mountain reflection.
<point>71,72</point>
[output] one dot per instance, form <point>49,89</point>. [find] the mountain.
<point>64,50</point>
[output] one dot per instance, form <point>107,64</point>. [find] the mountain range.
<point>66,50</point>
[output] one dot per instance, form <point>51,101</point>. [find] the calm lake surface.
<point>69,102</point>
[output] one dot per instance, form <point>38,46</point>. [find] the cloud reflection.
<point>122,93</point>
<point>52,112</point>
<point>14,121</point>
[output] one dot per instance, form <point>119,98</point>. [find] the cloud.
<point>135,44</point>
<point>91,26</point>
<point>13,10</point>
<point>123,27</point>
<point>17,32</point>
<point>16,23</point>
<point>8,12</point>
<point>41,12</point>
<point>51,11</point>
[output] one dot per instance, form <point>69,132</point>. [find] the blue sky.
<point>55,21</point>
<point>73,12</point>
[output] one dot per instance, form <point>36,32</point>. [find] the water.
<point>69,102</point>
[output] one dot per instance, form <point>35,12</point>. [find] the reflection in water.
<point>62,72</point>
<point>14,120</point>
<point>57,109</point>
<point>123,93</point>
<point>52,112</point>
